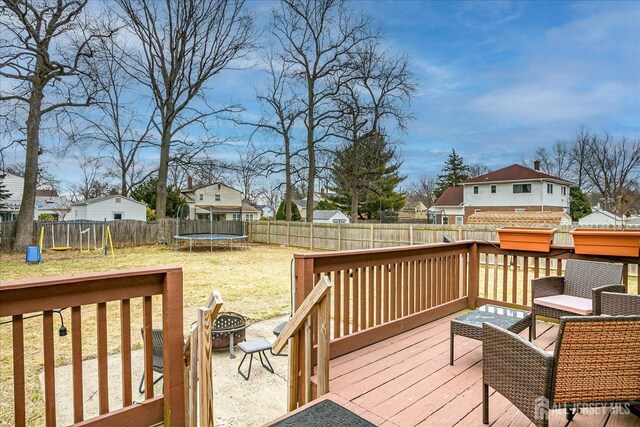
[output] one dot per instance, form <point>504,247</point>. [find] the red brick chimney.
<point>536,165</point>
<point>189,183</point>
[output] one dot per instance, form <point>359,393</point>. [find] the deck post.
<point>174,409</point>
<point>474,275</point>
<point>324,317</point>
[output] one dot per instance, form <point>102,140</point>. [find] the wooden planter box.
<point>526,239</point>
<point>598,241</point>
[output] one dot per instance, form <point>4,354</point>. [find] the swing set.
<point>87,236</point>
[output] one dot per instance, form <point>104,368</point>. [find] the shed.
<point>108,208</point>
<point>330,217</point>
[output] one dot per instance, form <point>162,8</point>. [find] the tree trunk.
<point>312,155</point>
<point>287,179</point>
<point>163,172</point>
<point>24,226</point>
<point>354,204</point>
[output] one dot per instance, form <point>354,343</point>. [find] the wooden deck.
<point>407,381</point>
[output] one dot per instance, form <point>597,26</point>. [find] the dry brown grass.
<point>253,281</point>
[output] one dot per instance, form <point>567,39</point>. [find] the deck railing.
<point>83,293</point>
<point>379,293</point>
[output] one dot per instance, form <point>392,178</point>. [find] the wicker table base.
<point>470,325</point>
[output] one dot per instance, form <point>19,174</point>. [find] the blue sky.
<point>496,79</point>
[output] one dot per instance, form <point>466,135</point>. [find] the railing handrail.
<point>389,251</point>
<point>300,316</point>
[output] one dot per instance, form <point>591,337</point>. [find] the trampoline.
<point>228,239</point>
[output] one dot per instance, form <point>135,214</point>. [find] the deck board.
<point>406,380</point>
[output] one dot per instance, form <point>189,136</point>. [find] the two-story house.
<point>514,188</point>
<point>219,200</point>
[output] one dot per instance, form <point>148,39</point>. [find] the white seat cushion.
<point>582,306</point>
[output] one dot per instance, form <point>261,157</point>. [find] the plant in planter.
<point>530,239</point>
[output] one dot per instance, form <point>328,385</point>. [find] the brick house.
<point>514,188</point>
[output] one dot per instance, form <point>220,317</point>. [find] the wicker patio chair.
<point>596,361</point>
<point>615,304</point>
<point>158,364</point>
<point>576,293</point>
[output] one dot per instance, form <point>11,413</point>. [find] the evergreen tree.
<point>371,169</point>
<point>580,206</point>
<point>295,212</point>
<point>325,205</point>
<point>4,193</point>
<point>146,192</point>
<point>453,173</point>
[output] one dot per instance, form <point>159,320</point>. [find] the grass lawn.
<point>253,281</point>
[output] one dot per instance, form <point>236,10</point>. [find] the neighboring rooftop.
<point>324,215</point>
<point>452,196</point>
<point>513,173</point>
<point>103,198</point>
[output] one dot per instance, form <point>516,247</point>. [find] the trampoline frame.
<point>230,239</point>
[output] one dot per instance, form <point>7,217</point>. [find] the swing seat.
<point>60,248</point>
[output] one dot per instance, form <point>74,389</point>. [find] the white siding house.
<point>13,184</point>
<point>108,208</point>
<point>221,201</point>
<point>330,217</point>
<point>600,217</point>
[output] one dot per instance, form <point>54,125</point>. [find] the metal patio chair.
<point>158,364</point>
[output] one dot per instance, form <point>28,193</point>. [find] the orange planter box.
<point>526,239</point>
<point>598,241</point>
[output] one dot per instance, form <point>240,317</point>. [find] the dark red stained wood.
<point>18,371</point>
<point>363,298</point>
<point>429,283</point>
<point>345,305</point>
<point>173,346</point>
<point>103,376</point>
<point>392,292</point>
<point>559,268</point>
<point>147,317</point>
<point>536,267</point>
<point>355,305</point>
<point>371,297</point>
<point>406,297</point>
<point>379,295</point>
<point>525,280</point>
<point>76,348</point>
<point>387,292</point>
<point>505,277</point>
<point>337,304</point>
<point>547,267</point>
<point>49,369</point>
<point>146,413</point>
<point>125,349</point>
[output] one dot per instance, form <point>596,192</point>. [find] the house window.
<point>118,215</point>
<point>201,196</point>
<point>219,186</point>
<point>477,210</point>
<point>564,190</point>
<point>549,188</point>
<point>118,199</point>
<point>339,221</point>
<point>494,188</point>
<point>445,220</point>
<point>475,189</point>
<point>248,217</point>
<point>237,217</point>
<point>521,188</point>
<point>458,220</point>
<point>217,197</point>
<point>519,210</point>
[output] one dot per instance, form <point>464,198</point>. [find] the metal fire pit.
<point>228,330</point>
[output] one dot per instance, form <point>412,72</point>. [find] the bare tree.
<point>280,110</point>
<point>315,38</point>
<point>247,169</point>
<point>613,167</point>
<point>44,47</point>
<point>478,169</point>
<point>184,43</point>
<point>557,160</point>
<point>93,180</point>
<point>579,152</point>
<point>422,190</point>
<point>119,129</point>
<point>377,91</point>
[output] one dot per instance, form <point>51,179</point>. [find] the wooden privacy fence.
<point>335,237</point>
<point>87,295</point>
<point>125,233</point>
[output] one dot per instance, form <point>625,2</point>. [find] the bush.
<point>295,212</point>
<point>46,217</point>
